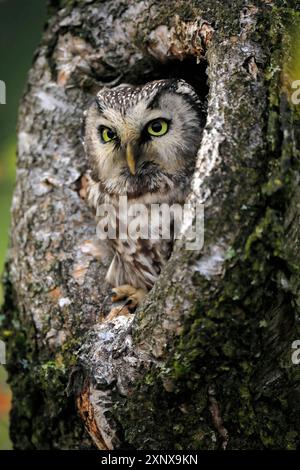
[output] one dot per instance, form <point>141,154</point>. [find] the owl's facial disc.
<point>131,145</point>
<point>143,140</point>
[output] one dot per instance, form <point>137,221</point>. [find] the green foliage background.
<point>21,23</point>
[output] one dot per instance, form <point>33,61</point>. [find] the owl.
<point>141,142</point>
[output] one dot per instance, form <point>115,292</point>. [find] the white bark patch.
<point>73,55</point>
<point>113,339</point>
<point>213,135</point>
<point>101,404</point>
<point>42,182</point>
<point>211,265</point>
<point>26,141</point>
<point>64,301</point>
<point>49,102</point>
<point>56,338</point>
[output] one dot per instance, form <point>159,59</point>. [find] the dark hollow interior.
<point>189,70</point>
<point>149,69</point>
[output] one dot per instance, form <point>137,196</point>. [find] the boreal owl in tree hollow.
<point>141,142</point>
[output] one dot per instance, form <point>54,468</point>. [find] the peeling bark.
<point>205,363</point>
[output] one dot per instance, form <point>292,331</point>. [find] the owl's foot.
<point>133,295</point>
<point>116,312</point>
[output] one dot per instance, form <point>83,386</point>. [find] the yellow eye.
<point>107,134</point>
<point>158,127</point>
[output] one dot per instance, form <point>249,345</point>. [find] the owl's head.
<point>144,139</point>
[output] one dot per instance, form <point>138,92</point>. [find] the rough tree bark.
<point>206,361</point>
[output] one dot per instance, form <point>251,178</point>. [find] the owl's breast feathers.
<point>138,261</point>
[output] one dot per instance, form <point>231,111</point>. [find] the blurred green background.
<point>21,24</point>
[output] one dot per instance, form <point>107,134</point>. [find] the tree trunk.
<point>205,363</point>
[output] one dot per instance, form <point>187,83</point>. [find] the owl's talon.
<point>133,295</point>
<point>113,295</point>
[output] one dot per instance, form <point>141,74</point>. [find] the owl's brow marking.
<point>128,96</point>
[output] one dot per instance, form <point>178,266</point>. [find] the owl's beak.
<point>130,158</point>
